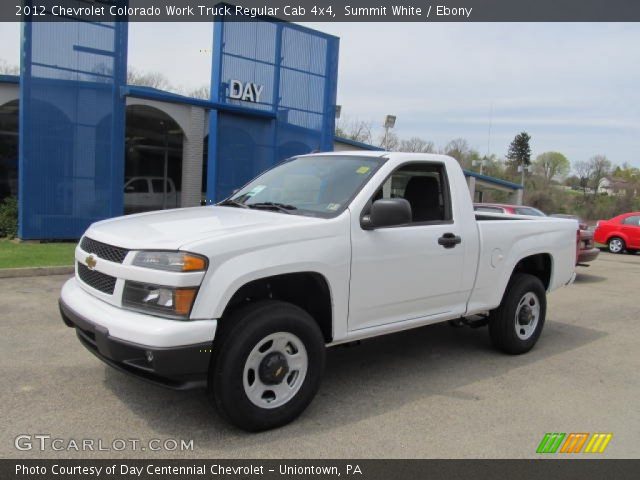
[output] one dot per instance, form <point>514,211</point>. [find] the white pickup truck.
<point>324,249</point>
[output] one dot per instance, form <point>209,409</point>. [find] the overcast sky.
<point>575,88</point>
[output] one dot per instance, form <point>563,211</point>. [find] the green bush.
<point>9,217</point>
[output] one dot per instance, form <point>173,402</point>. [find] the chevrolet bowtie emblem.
<point>91,262</point>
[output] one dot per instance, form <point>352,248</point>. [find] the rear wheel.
<point>517,323</point>
<point>269,365</point>
<point>616,245</point>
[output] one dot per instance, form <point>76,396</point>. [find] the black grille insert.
<point>98,280</point>
<point>102,250</point>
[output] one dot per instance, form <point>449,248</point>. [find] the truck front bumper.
<point>177,366</point>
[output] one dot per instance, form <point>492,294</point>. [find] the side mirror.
<point>129,189</point>
<point>388,212</point>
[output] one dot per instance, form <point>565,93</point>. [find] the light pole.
<point>389,122</point>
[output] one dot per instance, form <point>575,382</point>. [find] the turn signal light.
<point>184,300</point>
<point>192,263</point>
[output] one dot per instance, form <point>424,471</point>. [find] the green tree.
<point>519,150</point>
<point>550,165</point>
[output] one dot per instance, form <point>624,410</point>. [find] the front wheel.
<point>269,365</point>
<point>616,245</point>
<point>517,323</point>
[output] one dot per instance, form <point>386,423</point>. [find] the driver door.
<point>403,273</point>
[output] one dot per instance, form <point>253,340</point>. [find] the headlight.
<point>171,261</point>
<point>170,302</point>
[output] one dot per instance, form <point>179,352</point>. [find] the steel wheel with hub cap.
<point>527,315</point>
<point>267,365</point>
<point>517,323</point>
<point>275,370</point>
<point>616,245</point>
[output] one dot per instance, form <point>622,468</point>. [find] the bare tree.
<point>357,130</point>
<point>600,168</point>
<point>458,148</point>
<point>147,79</point>
<point>416,144</point>
<point>6,69</point>
<point>583,171</point>
<point>389,142</point>
<point>203,92</point>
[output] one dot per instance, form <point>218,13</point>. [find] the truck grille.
<point>102,250</point>
<point>98,280</point>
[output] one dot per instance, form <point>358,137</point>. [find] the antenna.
<point>488,135</point>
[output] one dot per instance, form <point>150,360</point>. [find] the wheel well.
<point>538,265</point>
<point>307,290</point>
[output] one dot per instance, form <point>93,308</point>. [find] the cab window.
<point>158,188</point>
<point>424,186</point>
<point>138,185</point>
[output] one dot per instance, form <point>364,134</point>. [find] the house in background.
<point>617,187</point>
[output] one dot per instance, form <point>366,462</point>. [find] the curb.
<point>35,271</point>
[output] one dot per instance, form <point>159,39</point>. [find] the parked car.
<point>142,194</point>
<point>619,234</point>
<point>242,297</point>
<point>587,251</point>
<point>507,209</point>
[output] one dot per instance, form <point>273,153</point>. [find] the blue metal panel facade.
<point>71,126</point>
<point>297,69</point>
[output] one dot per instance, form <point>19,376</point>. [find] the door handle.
<point>449,240</point>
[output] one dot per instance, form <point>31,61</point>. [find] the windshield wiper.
<point>281,207</point>
<point>233,203</point>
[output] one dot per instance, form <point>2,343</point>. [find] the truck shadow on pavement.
<point>379,376</point>
<point>588,278</point>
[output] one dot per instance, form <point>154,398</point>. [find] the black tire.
<point>616,245</point>
<point>241,333</point>
<point>502,321</point>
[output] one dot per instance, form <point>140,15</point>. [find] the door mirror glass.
<point>388,212</point>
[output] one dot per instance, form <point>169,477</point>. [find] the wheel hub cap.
<point>273,368</point>
<point>527,315</point>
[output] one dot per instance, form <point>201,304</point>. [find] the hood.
<point>171,229</point>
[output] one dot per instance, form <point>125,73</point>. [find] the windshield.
<point>315,185</point>
<point>534,212</point>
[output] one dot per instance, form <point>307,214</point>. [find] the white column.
<point>192,158</point>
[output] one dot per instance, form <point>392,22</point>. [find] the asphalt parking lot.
<point>433,392</point>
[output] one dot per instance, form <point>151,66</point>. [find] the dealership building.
<point>77,144</point>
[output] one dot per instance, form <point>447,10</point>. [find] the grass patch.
<point>17,255</point>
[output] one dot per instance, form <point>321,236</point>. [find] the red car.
<point>620,233</point>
